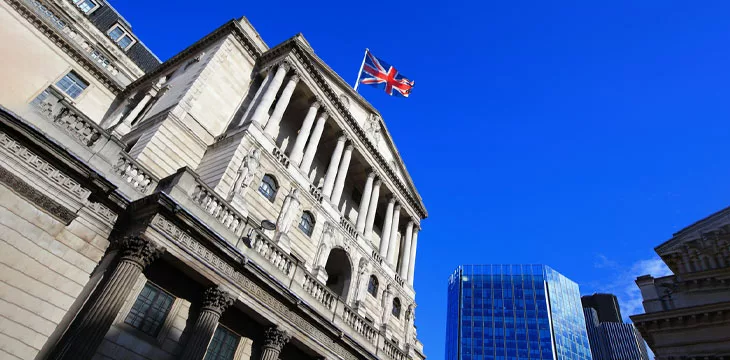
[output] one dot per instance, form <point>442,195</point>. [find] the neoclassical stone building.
<point>234,202</point>
<point>688,313</point>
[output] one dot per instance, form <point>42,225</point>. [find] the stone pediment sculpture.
<point>245,173</point>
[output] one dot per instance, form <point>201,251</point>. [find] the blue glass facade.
<point>510,312</point>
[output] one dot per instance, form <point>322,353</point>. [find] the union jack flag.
<point>377,72</point>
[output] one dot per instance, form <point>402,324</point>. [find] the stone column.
<point>267,98</point>
<point>341,175</point>
<point>215,302</point>
<point>313,144</point>
<point>365,203</point>
<point>329,178</point>
<point>138,108</point>
<point>372,208</point>
<point>256,98</point>
<point>88,329</point>
<point>412,262</point>
<point>274,341</point>
<point>387,224</point>
<point>119,113</point>
<point>405,256</point>
<point>296,152</point>
<point>281,105</point>
<point>393,245</point>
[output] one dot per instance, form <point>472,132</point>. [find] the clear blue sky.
<point>578,134</point>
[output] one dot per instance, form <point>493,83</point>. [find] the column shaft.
<point>311,149</point>
<point>372,208</point>
<point>296,153</point>
<point>364,204</point>
<point>393,246</point>
<point>90,326</point>
<point>215,301</point>
<point>412,262</point>
<point>257,97</point>
<point>273,125</point>
<point>261,113</point>
<point>405,256</point>
<point>329,178</point>
<point>341,175</point>
<point>385,234</point>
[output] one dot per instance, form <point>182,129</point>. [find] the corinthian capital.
<point>275,338</point>
<point>217,299</point>
<point>139,250</point>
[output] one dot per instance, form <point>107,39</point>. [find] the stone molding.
<point>207,257</point>
<point>61,42</point>
<point>217,300</point>
<point>275,338</point>
<point>29,192</point>
<point>103,212</point>
<point>139,250</point>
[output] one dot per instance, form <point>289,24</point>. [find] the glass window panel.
<point>149,311</point>
<point>223,345</point>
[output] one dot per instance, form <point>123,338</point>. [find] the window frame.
<point>374,286</point>
<point>274,189</point>
<point>396,310</point>
<point>72,74</point>
<point>239,340</point>
<point>125,32</point>
<point>312,222</point>
<point>163,321</point>
<point>97,4</point>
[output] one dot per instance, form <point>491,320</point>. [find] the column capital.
<point>294,78</point>
<point>377,182</point>
<point>372,174</point>
<point>275,338</point>
<point>285,65</point>
<point>139,250</point>
<point>350,147</point>
<point>392,200</point>
<point>342,136</point>
<point>216,299</point>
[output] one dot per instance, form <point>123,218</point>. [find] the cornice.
<point>680,318</point>
<point>70,50</point>
<point>304,56</point>
<point>231,27</point>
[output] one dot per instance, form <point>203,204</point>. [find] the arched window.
<point>373,286</point>
<point>268,187</point>
<point>396,308</point>
<point>306,225</point>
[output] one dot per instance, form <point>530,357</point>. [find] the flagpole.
<point>359,73</point>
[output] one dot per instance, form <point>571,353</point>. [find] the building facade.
<point>687,314</point>
<point>610,339</point>
<point>237,201</point>
<point>514,312</point>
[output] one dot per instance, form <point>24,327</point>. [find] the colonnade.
<point>395,249</point>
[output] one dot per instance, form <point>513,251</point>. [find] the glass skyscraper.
<point>511,312</point>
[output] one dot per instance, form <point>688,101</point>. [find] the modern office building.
<point>687,314</point>
<point>514,312</point>
<point>609,339</point>
<point>236,201</point>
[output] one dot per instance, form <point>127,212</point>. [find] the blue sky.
<point>577,134</point>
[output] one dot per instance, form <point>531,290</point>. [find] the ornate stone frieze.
<point>249,287</point>
<point>139,250</point>
<point>103,212</point>
<point>217,299</point>
<point>30,193</point>
<point>276,338</point>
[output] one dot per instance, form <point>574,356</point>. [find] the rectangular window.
<point>150,310</point>
<point>223,345</point>
<point>86,5</point>
<point>121,36</point>
<point>72,84</point>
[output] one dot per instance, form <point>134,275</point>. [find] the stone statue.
<point>289,210</point>
<point>372,128</point>
<point>245,172</point>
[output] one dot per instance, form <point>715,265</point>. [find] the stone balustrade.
<point>217,207</point>
<point>392,350</point>
<point>273,253</point>
<point>399,280</point>
<point>133,174</point>
<point>319,291</point>
<point>316,192</point>
<point>280,156</point>
<point>54,107</point>
<point>376,257</point>
<point>348,226</point>
<point>359,324</point>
